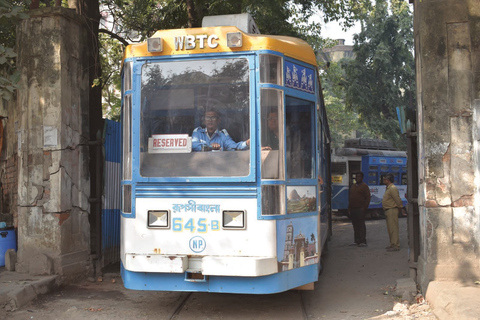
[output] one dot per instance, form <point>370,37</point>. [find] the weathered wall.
<point>447,39</point>
<point>52,138</point>
<point>8,164</point>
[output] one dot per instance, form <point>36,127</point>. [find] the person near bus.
<point>211,138</point>
<point>358,202</point>
<point>392,203</point>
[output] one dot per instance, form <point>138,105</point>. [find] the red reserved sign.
<point>169,141</point>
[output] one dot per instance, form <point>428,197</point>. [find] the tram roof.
<point>371,152</point>
<point>289,46</point>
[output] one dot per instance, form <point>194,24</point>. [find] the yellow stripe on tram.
<point>214,39</point>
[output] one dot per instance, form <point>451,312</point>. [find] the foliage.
<point>342,121</point>
<point>382,75</point>
<point>111,53</point>
<point>134,21</point>
<point>10,13</point>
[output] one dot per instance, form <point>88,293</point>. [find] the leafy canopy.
<point>134,21</point>
<point>10,13</point>
<point>382,75</point>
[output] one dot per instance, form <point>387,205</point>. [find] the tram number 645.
<point>202,225</point>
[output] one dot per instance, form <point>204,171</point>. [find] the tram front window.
<point>194,119</point>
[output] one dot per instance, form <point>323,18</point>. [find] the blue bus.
<point>225,160</point>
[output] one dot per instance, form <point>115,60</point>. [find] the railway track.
<point>286,305</point>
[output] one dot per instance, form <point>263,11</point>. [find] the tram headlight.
<point>233,219</point>
<point>155,44</point>
<point>234,39</point>
<point>158,219</point>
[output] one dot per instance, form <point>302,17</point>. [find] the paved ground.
<point>357,283</point>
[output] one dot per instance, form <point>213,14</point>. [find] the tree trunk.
<point>90,9</point>
<point>192,16</point>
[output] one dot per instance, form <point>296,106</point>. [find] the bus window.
<point>271,101</point>
<point>270,69</point>
<point>299,128</point>
<point>273,200</point>
<point>182,101</point>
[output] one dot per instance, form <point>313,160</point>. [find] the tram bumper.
<point>208,265</point>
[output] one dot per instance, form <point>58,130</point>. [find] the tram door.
<point>353,167</point>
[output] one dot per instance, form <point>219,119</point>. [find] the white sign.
<point>50,136</point>
<point>189,42</point>
<point>170,143</point>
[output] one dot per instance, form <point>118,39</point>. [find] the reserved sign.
<point>170,143</point>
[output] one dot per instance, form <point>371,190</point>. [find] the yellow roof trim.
<point>289,46</point>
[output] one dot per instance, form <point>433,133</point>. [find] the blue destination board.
<point>299,77</point>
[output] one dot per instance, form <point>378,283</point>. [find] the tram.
<point>374,158</point>
<point>226,154</point>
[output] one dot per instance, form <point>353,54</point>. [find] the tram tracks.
<point>186,298</point>
<point>302,305</point>
<point>180,306</point>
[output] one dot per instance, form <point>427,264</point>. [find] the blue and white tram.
<point>247,216</point>
<point>374,164</point>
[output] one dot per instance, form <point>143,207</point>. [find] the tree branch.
<point>114,35</point>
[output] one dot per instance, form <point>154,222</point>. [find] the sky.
<point>334,31</point>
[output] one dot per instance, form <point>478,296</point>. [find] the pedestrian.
<point>358,202</point>
<point>392,203</point>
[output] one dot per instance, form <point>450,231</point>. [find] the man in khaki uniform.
<point>392,203</point>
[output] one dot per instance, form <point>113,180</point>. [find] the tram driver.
<point>211,138</point>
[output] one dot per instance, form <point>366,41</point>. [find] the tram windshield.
<point>195,118</point>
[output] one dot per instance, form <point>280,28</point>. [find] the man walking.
<point>392,203</point>
<point>358,201</point>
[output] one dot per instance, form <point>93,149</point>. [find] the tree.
<point>381,77</point>
<point>134,21</point>
<point>10,13</point>
<point>342,121</point>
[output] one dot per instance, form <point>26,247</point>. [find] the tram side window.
<point>299,130</point>
<point>339,168</point>
<point>273,200</point>
<point>372,178</point>
<point>395,176</point>
<point>404,178</point>
<point>272,134</point>
<point>270,69</point>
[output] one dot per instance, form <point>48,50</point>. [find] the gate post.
<point>53,135</point>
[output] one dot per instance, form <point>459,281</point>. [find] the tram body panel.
<point>194,233</point>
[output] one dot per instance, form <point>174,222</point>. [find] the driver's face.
<point>211,121</point>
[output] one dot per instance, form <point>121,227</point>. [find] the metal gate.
<point>111,193</point>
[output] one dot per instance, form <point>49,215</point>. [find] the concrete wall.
<point>52,144</point>
<point>447,40</point>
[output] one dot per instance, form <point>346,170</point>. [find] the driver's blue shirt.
<point>200,137</point>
